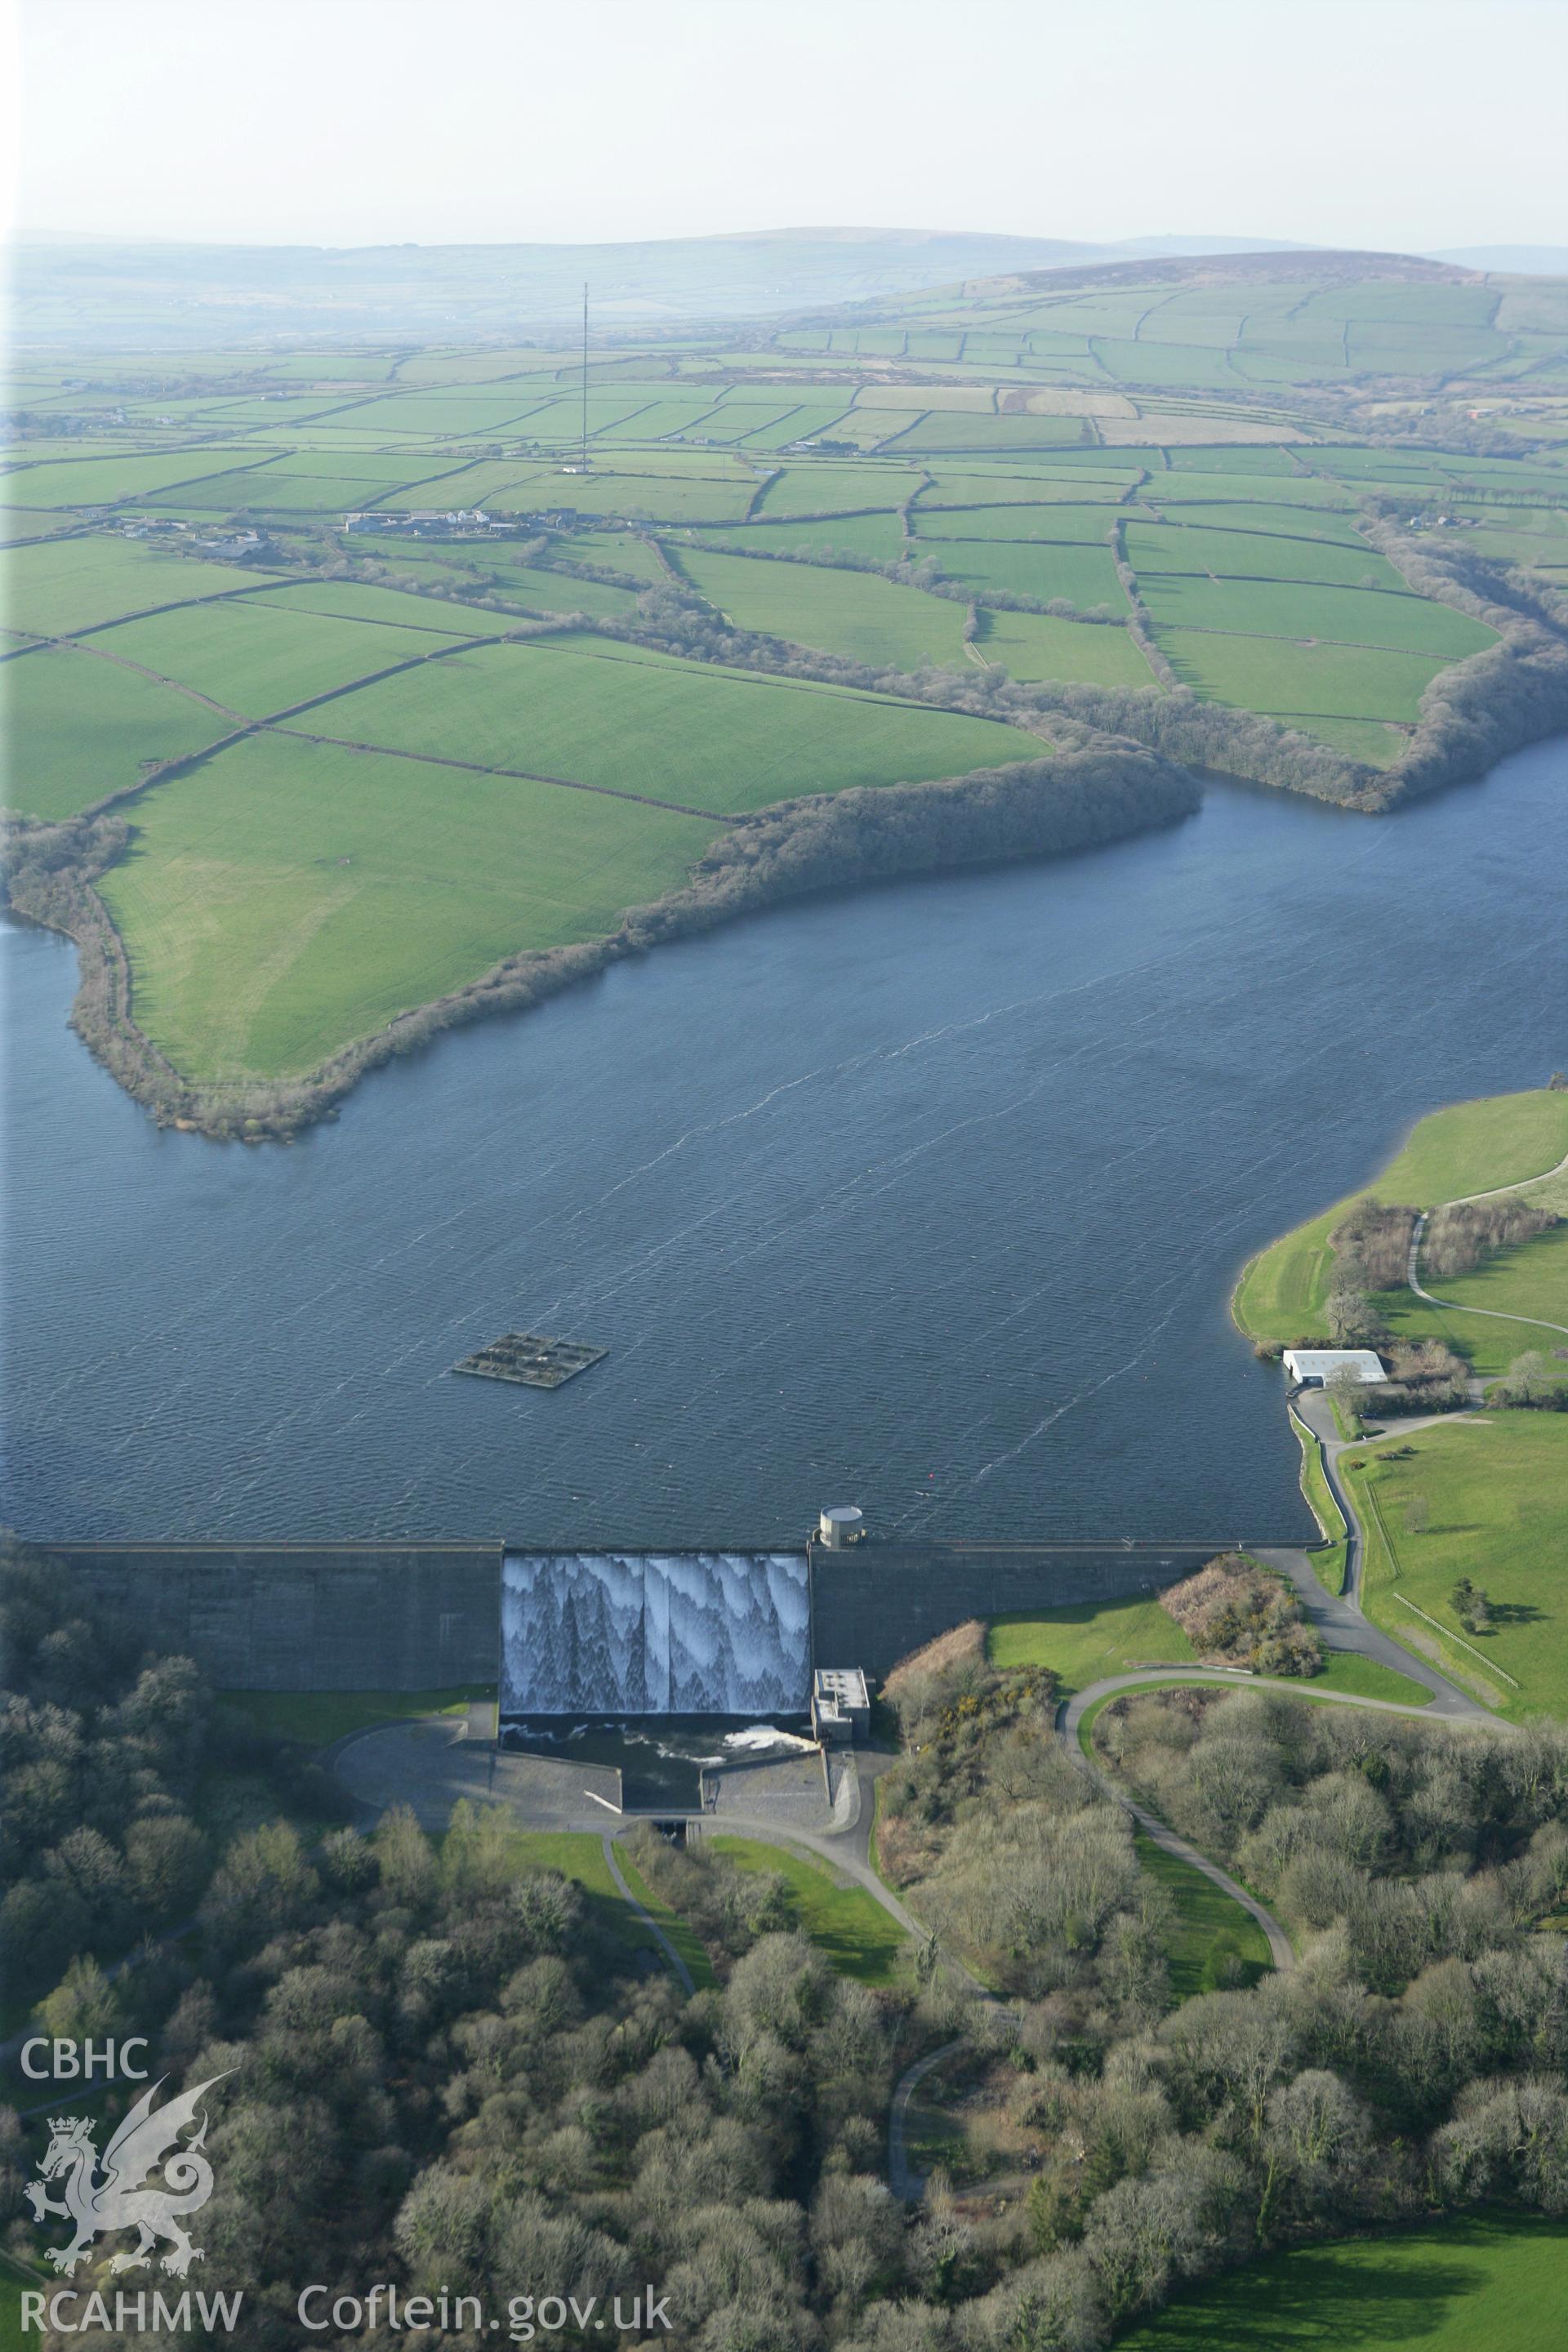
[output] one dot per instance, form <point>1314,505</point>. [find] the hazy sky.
<point>1371,122</point>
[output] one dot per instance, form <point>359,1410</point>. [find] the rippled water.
<point>928,1199</point>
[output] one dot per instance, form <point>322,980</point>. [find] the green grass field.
<point>502,485</point>
<point>1030,646</point>
<point>642,488</point>
<point>1083,1644</point>
<point>71,481</point>
<point>1377,741</point>
<point>257,658</point>
<point>356,600</point>
<point>1300,683</point>
<point>860,1938</point>
<point>263,936</point>
<point>1479,2283</point>
<point>1486,1499</point>
<point>617,551</point>
<point>1162,548</point>
<point>942,430</point>
<point>1084,575</point>
<point>540,589</point>
<point>1282,499</point>
<point>78,728</point>
<point>856,614</point>
<point>1302,610</point>
<point>1085,525</point>
<point>710,738</point>
<point>1256,516</point>
<point>579,1855</point>
<point>1469,1147</point>
<point>1356,1678</point>
<point>57,587</point>
<point>288,896</point>
<point>1062,485</point>
<point>830,488</point>
<point>878,536</point>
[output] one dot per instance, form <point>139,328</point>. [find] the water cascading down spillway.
<point>709,1633</point>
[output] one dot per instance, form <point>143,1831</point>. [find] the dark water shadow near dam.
<point>929,1198</point>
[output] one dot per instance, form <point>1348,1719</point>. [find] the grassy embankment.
<point>684,1938</point>
<point>1086,1644</point>
<point>842,1919</point>
<point>1477,2282</point>
<point>1469,1146</point>
<point>579,1855</point>
<point>1331,1560</point>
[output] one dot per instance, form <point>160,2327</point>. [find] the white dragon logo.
<point>119,2201</point>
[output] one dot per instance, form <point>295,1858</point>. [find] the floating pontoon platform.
<point>531,1359</point>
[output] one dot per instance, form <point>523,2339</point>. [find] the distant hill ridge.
<point>165,295</point>
<point>1266,262</point>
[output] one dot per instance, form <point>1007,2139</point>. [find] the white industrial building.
<point>1314,1367</point>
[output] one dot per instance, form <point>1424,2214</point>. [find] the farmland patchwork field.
<point>311,552</point>
<point>388,846</point>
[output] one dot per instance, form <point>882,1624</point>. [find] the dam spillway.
<point>690,1633</point>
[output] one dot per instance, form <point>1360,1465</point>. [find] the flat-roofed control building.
<point>840,1705</point>
<point>1314,1367</point>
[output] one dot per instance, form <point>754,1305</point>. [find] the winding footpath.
<point>1339,1625</point>
<point>1521,1184</point>
<point>1069,1719</point>
<point>1496,1314</point>
<point>906,2183</point>
<point>1069,1723</point>
<point>645,1914</point>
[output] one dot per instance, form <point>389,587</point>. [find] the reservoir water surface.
<point>927,1198</point>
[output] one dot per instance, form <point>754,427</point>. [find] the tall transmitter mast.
<point>585,461</point>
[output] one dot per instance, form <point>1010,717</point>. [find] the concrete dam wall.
<point>732,1632</point>
<point>308,1617</point>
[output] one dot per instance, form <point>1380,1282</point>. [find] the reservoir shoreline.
<point>932,1198</point>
